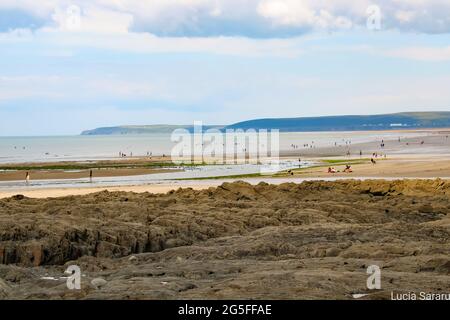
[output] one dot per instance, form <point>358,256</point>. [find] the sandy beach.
<point>411,168</point>
<point>78,174</point>
<point>426,157</point>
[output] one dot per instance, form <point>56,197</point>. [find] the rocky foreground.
<point>292,241</point>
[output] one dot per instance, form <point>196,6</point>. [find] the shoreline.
<point>165,187</point>
<point>424,157</point>
<point>141,159</point>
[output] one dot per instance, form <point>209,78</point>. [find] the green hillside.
<point>397,121</point>
<point>405,120</point>
<point>158,128</point>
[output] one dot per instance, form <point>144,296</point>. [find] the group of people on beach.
<point>124,155</point>
<point>348,169</point>
<point>347,143</point>
<point>305,145</point>
<point>375,155</point>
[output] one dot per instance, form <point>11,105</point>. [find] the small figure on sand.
<point>331,170</point>
<point>27,178</point>
<point>90,175</point>
<point>348,169</point>
<point>373,161</point>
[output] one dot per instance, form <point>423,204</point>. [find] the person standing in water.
<point>90,175</point>
<point>27,178</point>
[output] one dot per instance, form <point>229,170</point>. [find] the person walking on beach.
<point>27,178</point>
<point>90,175</point>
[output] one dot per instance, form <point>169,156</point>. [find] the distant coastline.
<point>395,121</point>
<point>144,129</point>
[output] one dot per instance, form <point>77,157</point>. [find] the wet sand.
<point>435,143</point>
<point>78,174</point>
<point>313,240</point>
<point>62,192</point>
<point>80,170</point>
<point>414,167</point>
<point>411,168</point>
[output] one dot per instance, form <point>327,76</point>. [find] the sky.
<point>68,66</point>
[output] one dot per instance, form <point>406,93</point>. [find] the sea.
<point>16,150</point>
<point>93,147</point>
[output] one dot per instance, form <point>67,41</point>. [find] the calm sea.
<point>63,148</point>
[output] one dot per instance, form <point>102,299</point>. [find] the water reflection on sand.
<point>205,171</point>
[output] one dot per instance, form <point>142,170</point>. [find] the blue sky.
<point>69,66</point>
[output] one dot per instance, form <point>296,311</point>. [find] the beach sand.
<point>399,164</point>
<point>411,168</point>
<point>79,170</point>
<point>313,240</point>
<point>62,192</point>
<point>407,158</point>
<point>78,174</point>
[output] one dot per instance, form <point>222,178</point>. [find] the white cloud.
<point>405,16</point>
<point>286,12</point>
<point>300,14</point>
<point>249,18</point>
<point>92,19</point>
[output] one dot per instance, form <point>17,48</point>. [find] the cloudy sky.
<point>66,66</point>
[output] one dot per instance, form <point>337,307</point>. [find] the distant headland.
<point>395,121</point>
